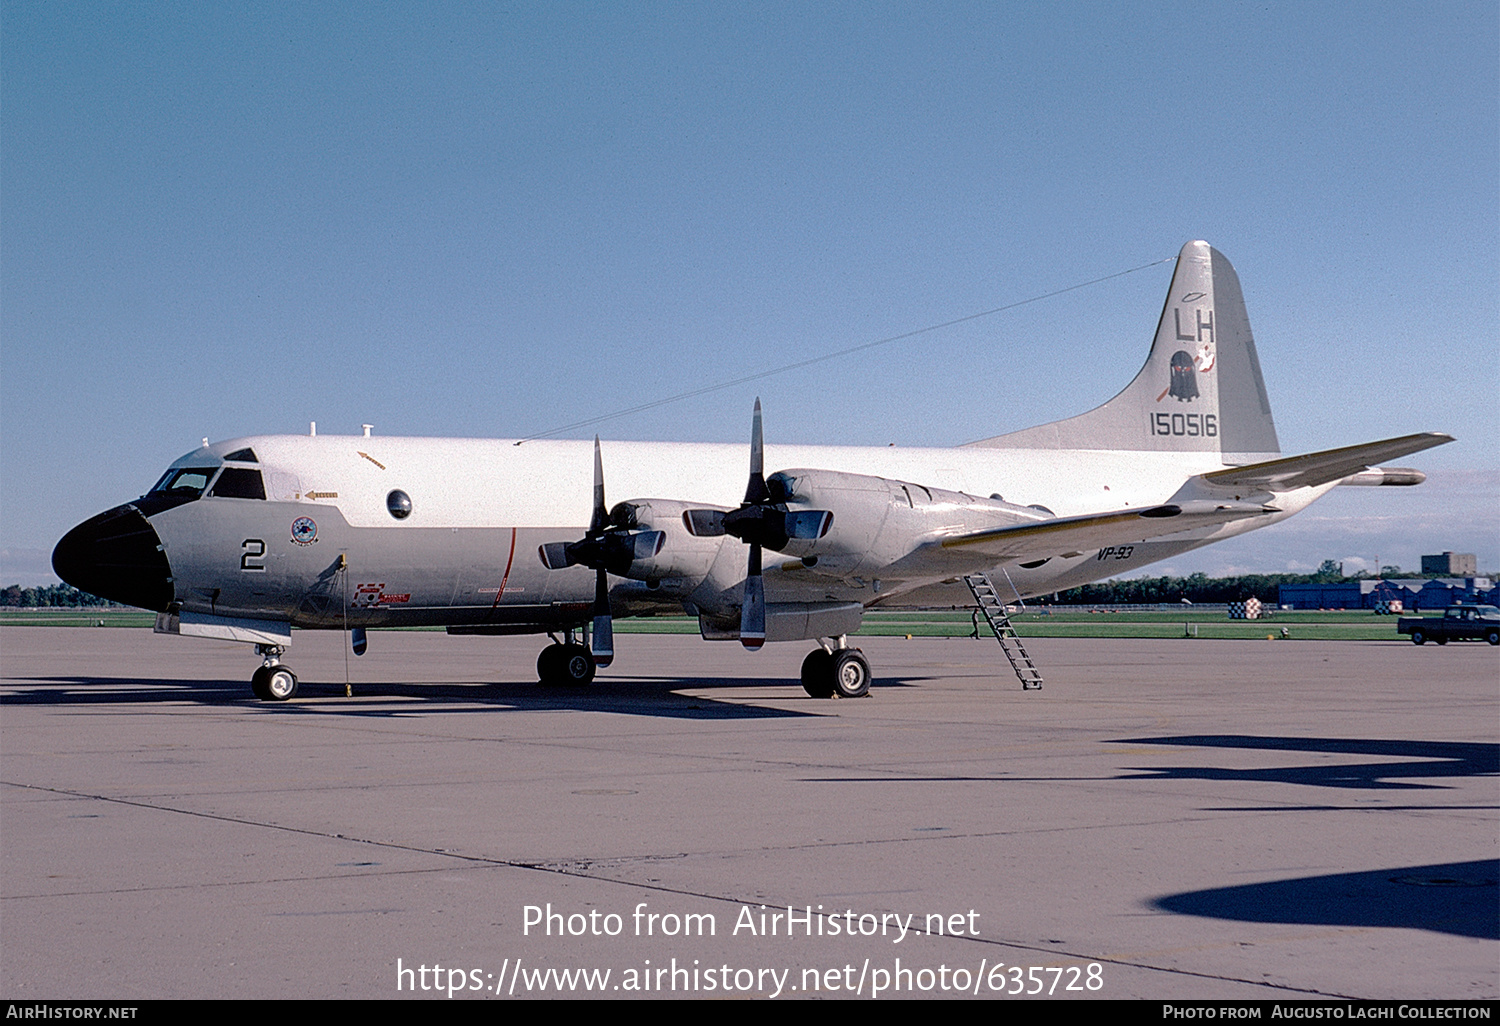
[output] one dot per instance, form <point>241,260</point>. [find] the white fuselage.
<point>467,552</point>
<point>464,482</point>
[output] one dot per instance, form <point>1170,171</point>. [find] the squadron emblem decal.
<point>1182,384</point>
<point>304,531</point>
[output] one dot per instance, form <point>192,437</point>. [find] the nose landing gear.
<point>273,682</point>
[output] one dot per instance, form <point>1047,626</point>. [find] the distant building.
<point>1451,564</point>
<point>1367,594</point>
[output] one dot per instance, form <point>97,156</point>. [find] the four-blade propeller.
<point>608,547</point>
<point>762,521</point>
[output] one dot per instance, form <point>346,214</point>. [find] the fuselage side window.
<point>239,483</point>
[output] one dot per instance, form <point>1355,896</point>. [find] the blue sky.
<point>494,219</point>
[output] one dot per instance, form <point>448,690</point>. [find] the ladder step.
<point>988,602</point>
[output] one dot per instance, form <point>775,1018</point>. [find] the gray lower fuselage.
<point>307,566</point>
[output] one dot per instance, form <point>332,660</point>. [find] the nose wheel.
<point>273,682</point>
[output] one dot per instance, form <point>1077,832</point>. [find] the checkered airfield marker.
<point>1249,609</point>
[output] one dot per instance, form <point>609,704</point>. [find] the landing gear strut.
<point>566,662</point>
<point>836,670</point>
<point>273,682</point>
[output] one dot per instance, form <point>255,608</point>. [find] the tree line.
<point>1197,588</point>
<point>1202,588</point>
<point>50,595</point>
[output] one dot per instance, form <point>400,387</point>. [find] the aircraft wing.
<point>1318,468</point>
<point>1065,536</point>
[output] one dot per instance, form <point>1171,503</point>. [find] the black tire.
<point>1441,641</point>
<point>851,674</point>
<point>1418,638</point>
<point>817,674</point>
<point>281,684</point>
<point>549,665</point>
<point>258,684</point>
<point>1493,637</point>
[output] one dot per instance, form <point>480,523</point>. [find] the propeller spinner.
<point>762,521</point>
<point>609,546</point>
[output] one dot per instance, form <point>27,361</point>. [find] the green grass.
<point>83,616</point>
<point>1079,623</point>
<point>1353,625</point>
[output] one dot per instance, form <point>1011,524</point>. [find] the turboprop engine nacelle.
<point>876,521</point>
<point>683,560</point>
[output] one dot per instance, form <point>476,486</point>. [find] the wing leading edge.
<point>1064,536</point>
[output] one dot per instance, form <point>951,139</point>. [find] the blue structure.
<point>1438,593</point>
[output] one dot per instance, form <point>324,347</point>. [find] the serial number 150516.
<point>1190,425</point>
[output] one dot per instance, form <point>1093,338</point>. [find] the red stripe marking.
<point>506,576</point>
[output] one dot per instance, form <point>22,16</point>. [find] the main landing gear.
<point>833,670</point>
<point>841,671</point>
<point>565,662</point>
<point>273,682</point>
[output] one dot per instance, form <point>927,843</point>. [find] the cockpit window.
<point>242,456</point>
<point>239,483</point>
<point>185,481</point>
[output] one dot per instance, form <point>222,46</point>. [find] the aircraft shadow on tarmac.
<point>636,696</point>
<point>1455,897</point>
<point>1440,759</point>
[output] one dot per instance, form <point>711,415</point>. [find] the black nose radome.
<point>118,556</point>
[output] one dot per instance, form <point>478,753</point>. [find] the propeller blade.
<point>600,519</point>
<point>753,610</point>
<point>756,491</point>
<point>808,524</point>
<point>604,630</point>
<point>359,641</point>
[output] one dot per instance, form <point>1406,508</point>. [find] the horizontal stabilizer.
<point>1318,468</point>
<point>1063,536</point>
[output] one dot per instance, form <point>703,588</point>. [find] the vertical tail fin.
<point>1201,389</point>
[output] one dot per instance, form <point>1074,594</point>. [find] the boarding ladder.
<point>987,603</point>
